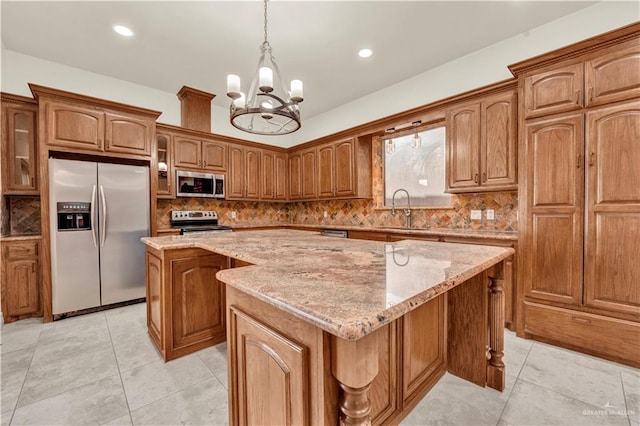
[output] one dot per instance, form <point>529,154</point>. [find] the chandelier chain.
<point>266,41</point>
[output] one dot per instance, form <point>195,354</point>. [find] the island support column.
<point>355,364</point>
<point>495,366</point>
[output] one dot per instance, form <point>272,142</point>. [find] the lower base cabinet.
<point>21,289</point>
<point>611,338</point>
<point>290,360</point>
<point>185,301</point>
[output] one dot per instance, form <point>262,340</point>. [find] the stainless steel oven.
<point>199,222</point>
<point>197,184</point>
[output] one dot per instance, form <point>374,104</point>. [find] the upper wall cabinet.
<point>334,170</point>
<point>76,123</point>
<point>244,178</point>
<point>19,148</point>
<point>481,145</point>
<point>164,150</point>
<point>83,127</point>
<point>274,175</point>
<point>614,75</point>
<point>203,154</point>
<point>608,76</point>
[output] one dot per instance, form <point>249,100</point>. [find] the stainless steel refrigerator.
<point>99,212</point>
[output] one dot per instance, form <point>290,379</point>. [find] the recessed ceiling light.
<point>122,30</point>
<point>365,53</point>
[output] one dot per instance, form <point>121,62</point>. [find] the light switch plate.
<point>234,215</point>
<point>325,214</point>
<point>476,214</point>
<point>490,215</point>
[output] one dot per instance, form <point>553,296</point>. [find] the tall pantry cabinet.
<point>580,197</point>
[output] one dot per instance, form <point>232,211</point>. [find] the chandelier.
<point>268,108</point>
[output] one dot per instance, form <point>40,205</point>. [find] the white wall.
<point>477,69</point>
<point>485,66</point>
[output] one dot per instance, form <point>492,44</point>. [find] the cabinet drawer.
<point>21,250</point>
<point>603,335</point>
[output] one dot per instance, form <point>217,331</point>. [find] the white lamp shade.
<point>233,86</point>
<point>266,79</point>
<point>296,91</point>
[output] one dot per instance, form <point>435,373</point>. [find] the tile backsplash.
<point>248,212</point>
<point>20,215</point>
<point>366,213</point>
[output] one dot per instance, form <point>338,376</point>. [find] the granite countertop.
<point>446,232</point>
<point>20,237</point>
<point>347,287</point>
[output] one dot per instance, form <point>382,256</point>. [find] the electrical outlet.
<point>234,214</point>
<point>325,214</point>
<point>476,214</point>
<point>490,215</point>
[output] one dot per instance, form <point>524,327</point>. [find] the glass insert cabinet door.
<point>165,177</point>
<point>20,166</point>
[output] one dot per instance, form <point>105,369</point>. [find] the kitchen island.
<point>323,330</point>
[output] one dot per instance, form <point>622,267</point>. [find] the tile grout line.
<point>15,408</point>
<point>124,391</point>
<point>515,383</point>
<point>624,397</point>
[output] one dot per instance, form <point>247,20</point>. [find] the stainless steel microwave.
<point>196,184</point>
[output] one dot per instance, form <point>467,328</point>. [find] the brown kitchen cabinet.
<point>19,144</point>
<point>244,179</point>
<point>332,170</point>
<point>602,77</point>
<point>166,176</point>
<point>202,154</point>
<point>309,173</point>
<point>88,127</point>
<point>274,174</point>
<point>326,171</point>
<point>261,351</point>
<point>481,145</point>
<point>303,174</point>
<point>555,173</point>
<point>344,169</point>
<point>295,176</point>
<point>580,207</point>
<point>557,90</point>
<point>21,289</point>
<point>185,301</point>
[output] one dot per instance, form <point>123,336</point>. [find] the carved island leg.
<point>355,364</point>
<point>495,365</point>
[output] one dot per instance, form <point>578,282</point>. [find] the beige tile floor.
<point>103,369</point>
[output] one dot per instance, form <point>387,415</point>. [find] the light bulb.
<point>390,146</point>
<point>417,141</point>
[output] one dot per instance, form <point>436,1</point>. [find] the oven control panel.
<point>193,215</point>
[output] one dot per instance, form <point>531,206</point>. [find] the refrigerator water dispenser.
<point>74,216</point>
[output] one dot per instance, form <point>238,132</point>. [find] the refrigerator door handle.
<point>94,205</point>
<point>103,226</point>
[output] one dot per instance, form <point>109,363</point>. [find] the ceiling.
<point>198,43</point>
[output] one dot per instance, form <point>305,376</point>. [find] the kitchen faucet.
<point>407,211</point>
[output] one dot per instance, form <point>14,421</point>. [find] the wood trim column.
<point>495,365</point>
<point>355,364</point>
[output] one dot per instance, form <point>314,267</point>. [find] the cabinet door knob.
<point>475,178</point>
<point>578,100</point>
<point>592,158</point>
<point>484,176</point>
<point>33,182</point>
<point>578,161</point>
<point>205,164</point>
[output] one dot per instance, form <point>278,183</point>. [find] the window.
<point>420,170</point>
